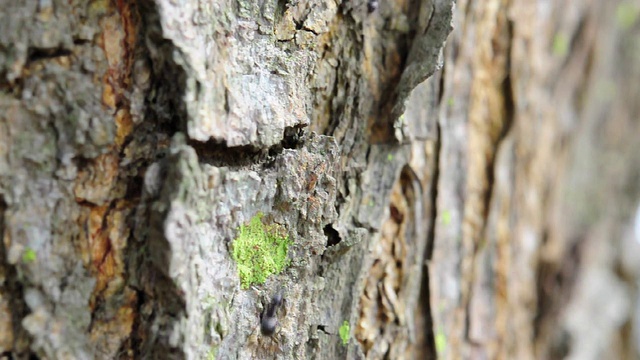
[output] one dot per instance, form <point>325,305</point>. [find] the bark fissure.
<point>433,196</point>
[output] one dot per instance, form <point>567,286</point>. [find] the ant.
<point>269,324</point>
<point>269,321</point>
<point>372,5</point>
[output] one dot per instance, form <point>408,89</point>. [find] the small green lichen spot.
<point>390,157</point>
<point>450,102</point>
<point>446,217</point>
<point>29,256</point>
<point>627,14</point>
<point>344,332</point>
<point>441,342</point>
<point>211,355</point>
<point>560,44</point>
<point>260,251</point>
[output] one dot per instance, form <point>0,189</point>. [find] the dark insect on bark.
<point>269,321</point>
<point>372,5</point>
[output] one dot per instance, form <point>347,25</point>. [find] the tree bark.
<point>487,210</point>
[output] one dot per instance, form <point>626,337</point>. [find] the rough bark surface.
<point>138,136</point>
<point>534,254</point>
<point>487,212</point>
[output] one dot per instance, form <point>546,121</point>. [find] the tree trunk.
<point>491,211</point>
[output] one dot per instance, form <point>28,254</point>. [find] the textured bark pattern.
<point>534,252</point>
<point>137,137</point>
<point>67,110</point>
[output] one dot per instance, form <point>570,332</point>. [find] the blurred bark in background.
<point>474,200</point>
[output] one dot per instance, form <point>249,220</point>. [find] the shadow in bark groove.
<point>11,289</point>
<point>219,154</point>
<point>159,302</point>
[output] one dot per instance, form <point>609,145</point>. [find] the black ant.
<point>269,321</point>
<point>372,5</point>
<point>269,326</point>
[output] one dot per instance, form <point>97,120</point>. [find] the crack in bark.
<point>425,292</point>
<point>508,102</point>
<point>431,236</point>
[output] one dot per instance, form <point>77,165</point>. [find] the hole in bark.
<point>293,137</point>
<point>333,237</point>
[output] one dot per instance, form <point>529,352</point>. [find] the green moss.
<point>260,251</point>
<point>29,256</point>
<point>344,332</point>
<point>211,355</point>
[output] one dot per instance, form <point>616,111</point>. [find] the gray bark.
<point>139,137</point>
<point>483,211</point>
